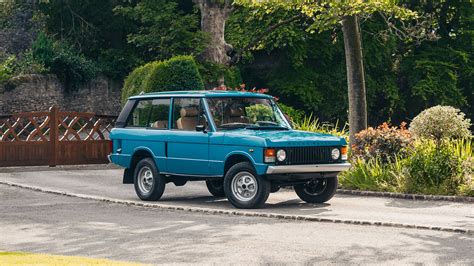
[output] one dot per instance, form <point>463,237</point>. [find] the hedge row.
<point>177,73</point>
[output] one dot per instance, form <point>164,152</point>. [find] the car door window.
<point>159,113</point>
<point>153,113</point>
<point>188,113</point>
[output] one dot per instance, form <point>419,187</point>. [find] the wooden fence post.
<point>53,135</point>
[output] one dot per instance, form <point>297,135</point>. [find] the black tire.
<point>148,191</point>
<point>256,197</point>
<point>318,190</point>
<point>274,188</point>
<point>216,187</point>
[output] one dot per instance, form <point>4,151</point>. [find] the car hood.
<point>282,138</point>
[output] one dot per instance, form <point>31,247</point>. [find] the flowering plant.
<point>384,142</point>
<point>441,122</point>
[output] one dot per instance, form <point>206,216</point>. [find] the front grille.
<point>307,155</point>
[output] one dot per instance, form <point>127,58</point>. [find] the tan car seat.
<point>237,115</point>
<point>188,119</point>
<point>163,124</point>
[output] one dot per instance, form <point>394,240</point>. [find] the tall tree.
<point>355,75</point>
<point>326,15</point>
<point>214,14</point>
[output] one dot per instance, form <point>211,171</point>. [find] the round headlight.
<point>281,155</point>
<point>335,153</point>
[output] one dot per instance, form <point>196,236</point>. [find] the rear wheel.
<point>149,184</point>
<point>216,187</point>
<point>244,188</point>
<point>317,190</point>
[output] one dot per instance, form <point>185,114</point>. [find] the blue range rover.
<point>240,143</point>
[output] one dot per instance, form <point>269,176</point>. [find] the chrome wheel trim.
<point>316,187</point>
<point>244,186</point>
<point>145,180</point>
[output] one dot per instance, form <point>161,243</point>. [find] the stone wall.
<point>39,92</point>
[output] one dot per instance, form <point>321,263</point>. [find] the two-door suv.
<point>240,143</point>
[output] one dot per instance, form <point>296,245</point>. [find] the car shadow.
<point>416,204</point>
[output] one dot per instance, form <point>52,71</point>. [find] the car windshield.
<point>251,113</point>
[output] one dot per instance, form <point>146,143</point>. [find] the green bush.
<point>71,67</point>
<point>6,68</point>
<point>429,167</point>
<point>439,168</point>
<point>259,112</point>
<point>133,84</point>
<point>177,73</point>
<point>374,175</point>
<point>295,114</point>
<point>440,122</point>
<point>384,143</point>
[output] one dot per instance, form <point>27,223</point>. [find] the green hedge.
<point>177,73</point>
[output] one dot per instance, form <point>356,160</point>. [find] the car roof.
<point>206,94</point>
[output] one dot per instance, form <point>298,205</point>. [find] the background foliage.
<point>302,62</point>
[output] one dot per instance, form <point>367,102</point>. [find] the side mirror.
<point>201,128</point>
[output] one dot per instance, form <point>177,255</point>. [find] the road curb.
<point>405,196</point>
<point>239,212</point>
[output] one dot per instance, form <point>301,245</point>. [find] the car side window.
<point>153,113</point>
<point>188,113</point>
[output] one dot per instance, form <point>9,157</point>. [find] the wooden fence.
<point>54,138</point>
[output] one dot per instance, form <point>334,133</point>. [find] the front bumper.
<point>309,168</point>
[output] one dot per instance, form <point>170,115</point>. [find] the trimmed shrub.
<point>441,122</point>
<point>175,74</point>
<point>178,73</point>
<point>384,143</point>
<point>133,84</point>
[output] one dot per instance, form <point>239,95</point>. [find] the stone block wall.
<point>39,92</point>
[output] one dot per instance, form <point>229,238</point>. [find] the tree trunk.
<point>355,76</point>
<point>214,14</point>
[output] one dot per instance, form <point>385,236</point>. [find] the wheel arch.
<point>138,154</point>
<point>235,158</point>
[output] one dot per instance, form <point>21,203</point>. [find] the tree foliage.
<point>301,60</point>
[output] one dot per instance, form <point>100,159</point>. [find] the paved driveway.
<point>44,223</point>
<point>106,181</point>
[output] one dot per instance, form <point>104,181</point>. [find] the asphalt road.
<point>39,222</point>
<point>106,182</point>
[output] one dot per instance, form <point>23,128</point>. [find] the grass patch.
<point>20,258</point>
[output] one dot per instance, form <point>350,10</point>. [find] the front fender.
<point>260,168</point>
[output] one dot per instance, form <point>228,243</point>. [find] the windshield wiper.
<point>234,125</point>
<point>267,127</point>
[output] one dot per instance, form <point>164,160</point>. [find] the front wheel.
<point>317,190</point>
<point>149,183</point>
<point>244,188</point>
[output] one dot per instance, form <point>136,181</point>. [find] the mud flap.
<point>128,176</point>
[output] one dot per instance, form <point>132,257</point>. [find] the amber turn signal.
<point>344,150</point>
<point>270,155</point>
<point>344,153</point>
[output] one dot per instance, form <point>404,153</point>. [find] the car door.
<point>188,149</point>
